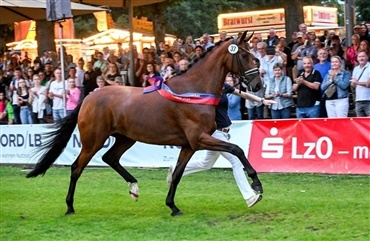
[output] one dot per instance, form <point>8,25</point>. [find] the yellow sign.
<point>104,21</point>
<point>142,25</point>
<point>251,19</point>
<point>314,15</point>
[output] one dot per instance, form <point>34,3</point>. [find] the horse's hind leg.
<point>112,157</point>
<point>72,188</point>
<point>184,157</point>
<point>87,152</point>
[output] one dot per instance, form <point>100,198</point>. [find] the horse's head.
<point>241,62</point>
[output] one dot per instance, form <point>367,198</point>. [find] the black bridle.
<point>248,76</point>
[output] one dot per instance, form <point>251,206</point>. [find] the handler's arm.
<point>252,97</point>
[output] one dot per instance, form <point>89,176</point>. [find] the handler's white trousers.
<point>210,159</point>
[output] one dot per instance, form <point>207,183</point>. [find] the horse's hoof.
<point>134,192</point>
<point>134,196</point>
<point>257,188</point>
<point>70,212</point>
<point>178,213</point>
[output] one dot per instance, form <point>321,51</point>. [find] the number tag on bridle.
<point>233,48</point>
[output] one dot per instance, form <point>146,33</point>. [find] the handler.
<point>222,133</point>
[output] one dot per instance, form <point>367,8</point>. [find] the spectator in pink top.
<point>351,53</point>
<point>73,96</point>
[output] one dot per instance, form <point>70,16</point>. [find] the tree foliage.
<point>198,17</point>
<point>6,36</point>
<point>363,10</point>
<point>85,25</point>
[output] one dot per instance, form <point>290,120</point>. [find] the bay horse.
<point>129,115</point>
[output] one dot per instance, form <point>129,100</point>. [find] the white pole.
<point>62,66</point>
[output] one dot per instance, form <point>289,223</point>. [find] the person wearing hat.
<point>336,45</point>
<point>357,29</point>
<point>299,34</point>
<point>300,50</point>
<point>118,81</point>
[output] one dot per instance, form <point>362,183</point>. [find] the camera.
<point>270,50</point>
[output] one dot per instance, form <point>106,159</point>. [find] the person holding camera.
<point>305,49</point>
<point>267,61</point>
<point>279,51</point>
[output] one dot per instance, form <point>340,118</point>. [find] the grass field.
<point>294,207</point>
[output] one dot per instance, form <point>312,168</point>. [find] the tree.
<point>159,22</point>
<point>85,26</point>
<point>198,17</point>
<point>363,10</point>
<point>293,17</point>
<point>6,36</point>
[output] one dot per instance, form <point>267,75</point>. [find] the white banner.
<point>18,143</point>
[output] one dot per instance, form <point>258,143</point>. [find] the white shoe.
<point>253,200</point>
<point>169,176</point>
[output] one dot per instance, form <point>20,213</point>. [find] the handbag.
<point>329,92</point>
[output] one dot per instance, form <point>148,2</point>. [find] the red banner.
<point>338,145</point>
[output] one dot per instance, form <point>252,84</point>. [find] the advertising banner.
<point>19,144</point>
<point>339,145</point>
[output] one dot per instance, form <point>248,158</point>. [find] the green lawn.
<point>294,207</point>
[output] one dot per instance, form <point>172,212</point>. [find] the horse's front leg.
<point>208,142</point>
<point>185,154</point>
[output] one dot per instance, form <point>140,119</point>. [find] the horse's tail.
<point>55,143</point>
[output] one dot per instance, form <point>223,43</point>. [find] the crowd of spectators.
<point>297,75</point>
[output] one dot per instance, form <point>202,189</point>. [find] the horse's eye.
<point>244,56</point>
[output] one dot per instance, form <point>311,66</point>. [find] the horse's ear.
<point>242,37</point>
<point>250,36</point>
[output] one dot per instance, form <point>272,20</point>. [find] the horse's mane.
<point>196,60</point>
